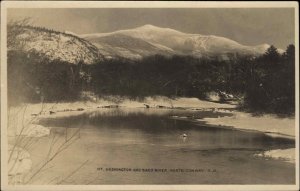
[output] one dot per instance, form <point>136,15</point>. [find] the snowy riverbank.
<point>287,155</point>
<point>28,115</point>
<point>268,124</point>
<point>24,128</point>
<point>24,120</point>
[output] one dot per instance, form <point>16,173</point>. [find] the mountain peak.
<point>150,39</point>
<point>148,26</point>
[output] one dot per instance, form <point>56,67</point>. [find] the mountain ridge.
<point>179,43</point>
<point>132,44</point>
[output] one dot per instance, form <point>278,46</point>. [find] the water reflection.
<point>183,139</point>
<point>157,127</point>
<point>149,138</point>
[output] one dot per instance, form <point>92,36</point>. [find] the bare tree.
<point>22,142</point>
<point>14,29</point>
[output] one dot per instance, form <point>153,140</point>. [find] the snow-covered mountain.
<point>55,45</point>
<point>125,46</point>
<point>150,40</point>
<point>131,44</point>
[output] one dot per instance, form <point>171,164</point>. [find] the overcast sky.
<point>247,26</point>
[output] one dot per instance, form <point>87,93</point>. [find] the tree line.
<point>266,82</point>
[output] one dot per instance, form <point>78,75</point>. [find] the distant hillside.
<point>52,44</point>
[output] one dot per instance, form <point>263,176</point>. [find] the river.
<point>159,146</point>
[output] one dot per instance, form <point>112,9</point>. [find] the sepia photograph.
<point>149,95</point>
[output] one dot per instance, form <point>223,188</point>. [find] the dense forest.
<point>265,83</point>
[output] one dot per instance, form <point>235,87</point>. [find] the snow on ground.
<point>30,130</point>
<point>287,155</point>
<point>23,119</point>
<point>269,124</point>
<point>19,162</point>
<point>185,103</point>
<point>28,115</point>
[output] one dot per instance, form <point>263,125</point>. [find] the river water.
<point>147,146</point>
